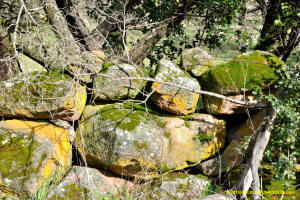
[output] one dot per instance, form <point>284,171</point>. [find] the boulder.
<point>231,157</point>
<point>28,65</point>
<point>238,78</point>
<point>220,106</point>
<point>112,84</point>
<point>42,96</point>
<point>131,140</point>
<point>196,61</point>
<point>170,98</point>
<point>30,153</point>
<point>182,186</point>
<point>87,183</point>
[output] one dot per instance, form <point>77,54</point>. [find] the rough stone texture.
<point>219,106</point>
<point>29,153</point>
<point>108,87</point>
<point>28,65</point>
<point>230,157</point>
<point>131,142</point>
<point>42,96</point>
<point>219,197</point>
<point>87,183</point>
<point>243,74</point>
<point>170,98</point>
<point>196,61</point>
<point>189,187</point>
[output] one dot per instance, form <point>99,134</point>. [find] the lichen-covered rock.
<point>232,158</point>
<point>181,186</point>
<point>170,98</point>
<point>28,65</point>
<point>29,153</point>
<point>196,61</point>
<point>220,106</point>
<point>42,96</point>
<point>243,74</point>
<point>87,183</point>
<point>130,141</point>
<point>83,65</point>
<point>112,84</point>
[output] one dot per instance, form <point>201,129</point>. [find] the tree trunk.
<point>77,27</point>
<point>250,174</point>
<point>280,40</point>
<point>8,64</point>
<point>269,34</point>
<point>60,26</point>
<point>142,48</point>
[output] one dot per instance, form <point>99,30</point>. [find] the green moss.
<point>167,134</point>
<point>257,68</point>
<point>140,145</point>
<point>125,117</point>
<point>16,154</point>
<point>204,138</point>
<point>106,66</point>
<point>165,168</point>
<point>35,88</point>
<point>187,124</point>
<point>160,123</point>
<point>72,191</point>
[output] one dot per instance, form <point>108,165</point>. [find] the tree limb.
<point>251,172</point>
<point>141,49</point>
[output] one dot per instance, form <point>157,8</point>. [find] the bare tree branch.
<point>251,172</point>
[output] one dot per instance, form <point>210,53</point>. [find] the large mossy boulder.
<point>171,98</point>
<point>240,76</point>
<point>131,140</point>
<point>31,152</point>
<point>196,61</point>
<point>87,183</point>
<point>115,82</point>
<point>231,157</point>
<point>42,96</point>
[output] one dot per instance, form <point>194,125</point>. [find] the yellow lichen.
<point>76,102</point>
<point>58,137</point>
<point>176,103</point>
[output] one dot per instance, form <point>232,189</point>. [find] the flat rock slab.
<point>114,82</point>
<point>42,96</point>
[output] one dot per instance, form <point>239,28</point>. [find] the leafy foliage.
<point>284,148</point>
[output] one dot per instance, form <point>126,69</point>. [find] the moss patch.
<point>129,115</point>
<point>254,70</point>
<point>72,191</point>
<point>35,88</point>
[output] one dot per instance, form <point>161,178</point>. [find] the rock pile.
<point>164,133</point>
